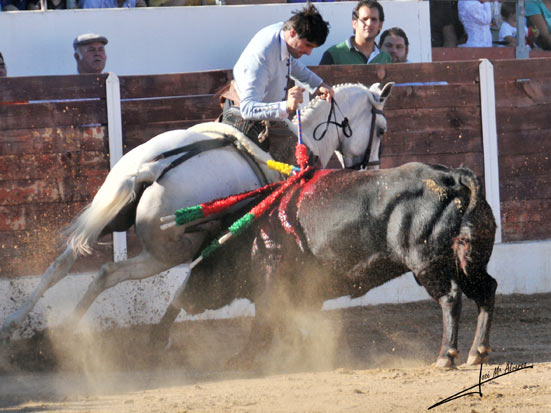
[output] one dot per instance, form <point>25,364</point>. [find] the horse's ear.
<point>385,92</point>
<point>375,88</point>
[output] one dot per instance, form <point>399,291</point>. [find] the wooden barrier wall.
<point>523,105</point>
<point>54,143</point>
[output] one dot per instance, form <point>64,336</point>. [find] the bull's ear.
<point>385,92</point>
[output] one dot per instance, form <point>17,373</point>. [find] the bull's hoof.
<point>475,359</point>
<point>448,360</point>
<point>480,355</point>
<point>445,363</point>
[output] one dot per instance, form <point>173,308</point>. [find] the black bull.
<point>346,232</point>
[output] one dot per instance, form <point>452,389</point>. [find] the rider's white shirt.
<point>261,75</point>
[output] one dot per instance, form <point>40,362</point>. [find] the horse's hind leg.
<point>55,272</point>
<point>110,274</point>
<point>481,288</point>
<point>160,332</point>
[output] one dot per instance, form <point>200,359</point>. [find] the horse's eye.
<point>381,131</point>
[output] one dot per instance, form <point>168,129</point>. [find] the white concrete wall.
<point>177,39</point>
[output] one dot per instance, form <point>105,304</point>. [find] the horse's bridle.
<point>347,132</point>
<point>365,161</point>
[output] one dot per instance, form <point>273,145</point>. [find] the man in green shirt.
<point>367,21</point>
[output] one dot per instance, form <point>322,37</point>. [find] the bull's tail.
<point>477,229</point>
<point>117,191</point>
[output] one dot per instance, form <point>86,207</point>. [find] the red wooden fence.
<point>54,143</point>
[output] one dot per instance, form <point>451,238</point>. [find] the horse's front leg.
<point>55,272</point>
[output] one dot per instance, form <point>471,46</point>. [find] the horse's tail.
<point>116,193</point>
<point>477,230</point>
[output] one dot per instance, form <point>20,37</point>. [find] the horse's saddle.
<point>255,130</point>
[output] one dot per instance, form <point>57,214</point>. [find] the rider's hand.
<point>326,92</point>
<point>294,98</point>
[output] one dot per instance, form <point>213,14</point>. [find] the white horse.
<point>140,190</point>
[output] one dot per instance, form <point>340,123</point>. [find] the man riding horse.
<point>261,75</point>
<point>187,167</point>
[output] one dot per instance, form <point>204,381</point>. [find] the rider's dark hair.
<point>395,31</point>
<point>370,4</point>
<point>309,25</point>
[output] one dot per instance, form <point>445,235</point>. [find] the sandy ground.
<point>363,359</point>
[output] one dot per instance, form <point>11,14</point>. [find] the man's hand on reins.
<point>326,92</point>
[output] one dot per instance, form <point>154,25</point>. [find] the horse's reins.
<point>344,125</point>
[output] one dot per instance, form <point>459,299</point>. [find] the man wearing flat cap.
<point>90,53</point>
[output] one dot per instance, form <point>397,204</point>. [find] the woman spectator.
<point>538,13</point>
<point>476,16</point>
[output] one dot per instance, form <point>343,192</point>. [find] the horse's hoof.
<point>160,340</point>
<point>5,338</point>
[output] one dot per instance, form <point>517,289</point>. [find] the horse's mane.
<point>308,110</point>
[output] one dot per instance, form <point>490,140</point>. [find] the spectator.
<point>443,20</point>
<point>367,21</point>
<point>539,16</point>
<point>395,42</point>
<point>508,29</point>
<point>90,53</point>
<point>3,68</point>
<point>111,4</point>
<point>17,5</point>
<point>476,16</point>
<point>4,73</point>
